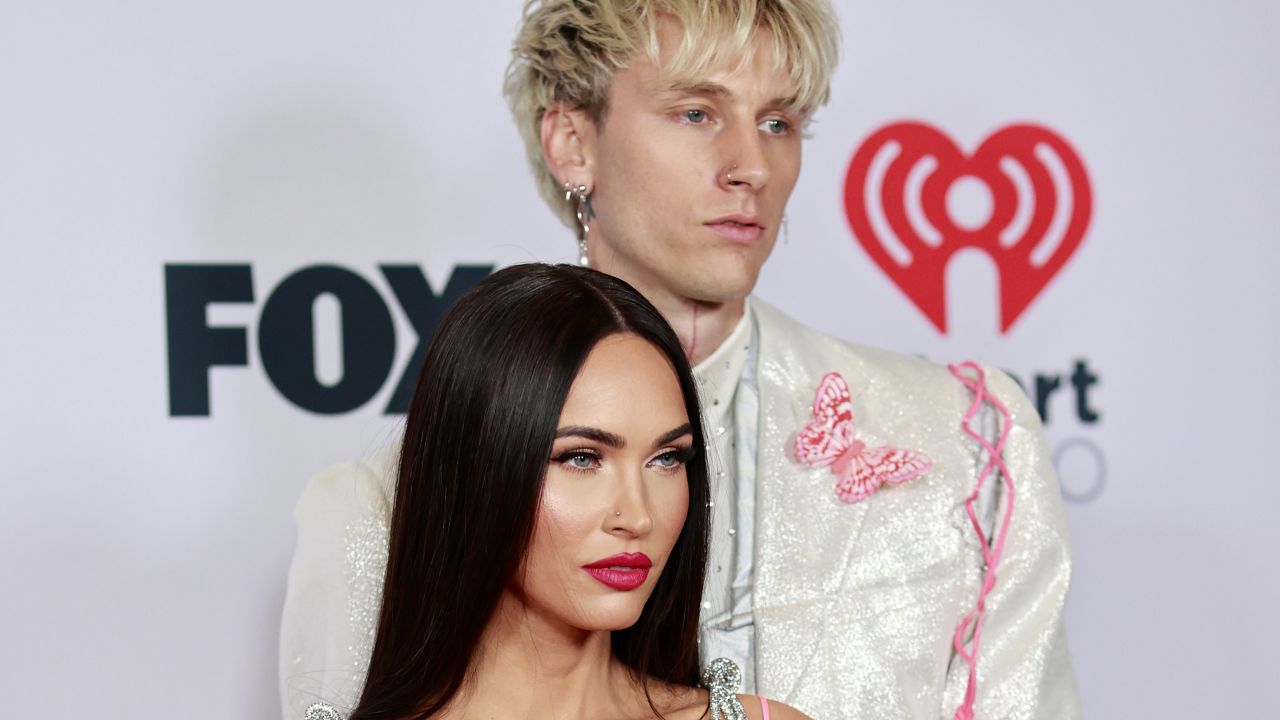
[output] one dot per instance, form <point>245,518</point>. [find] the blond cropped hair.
<point>566,51</point>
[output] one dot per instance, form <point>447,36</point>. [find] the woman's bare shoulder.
<point>679,702</point>
<point>685,703</point>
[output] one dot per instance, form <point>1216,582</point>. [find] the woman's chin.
<point>612,616</point>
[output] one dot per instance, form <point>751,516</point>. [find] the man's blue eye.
<point>695,116</point>
<point>775,126</point>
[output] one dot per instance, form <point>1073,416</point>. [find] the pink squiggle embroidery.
<point>991,552</point>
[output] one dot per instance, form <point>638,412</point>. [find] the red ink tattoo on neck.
<point>693,335</point>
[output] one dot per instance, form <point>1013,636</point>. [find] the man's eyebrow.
<point>706,88</point>
<point>784,103</point>
<point>601,436</point>
<point>670,435</point>
<point>698,87</point>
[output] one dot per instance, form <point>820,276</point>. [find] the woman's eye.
<point>671,459</point>
<point>774,126</point>
<point>578,460</point>
<point>695,116</point>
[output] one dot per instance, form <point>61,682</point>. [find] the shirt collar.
<point>718,374</point>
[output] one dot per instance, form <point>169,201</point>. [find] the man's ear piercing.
<point>584,213</point>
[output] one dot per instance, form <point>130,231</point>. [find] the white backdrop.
<point>145,552</point>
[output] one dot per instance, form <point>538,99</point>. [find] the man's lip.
<point>732,231</point>
<point>626,560</point>
<point>746,220</point>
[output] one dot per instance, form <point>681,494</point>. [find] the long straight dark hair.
<point>477,444</point>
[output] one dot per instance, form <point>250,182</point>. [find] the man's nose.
<point>746,165</point>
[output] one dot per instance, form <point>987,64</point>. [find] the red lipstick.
<point>624,571</point>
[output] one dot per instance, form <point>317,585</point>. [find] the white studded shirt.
<point>730,405</point>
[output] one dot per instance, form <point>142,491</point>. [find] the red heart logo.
<point>896,198</point>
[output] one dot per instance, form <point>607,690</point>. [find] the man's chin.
<point>718,288</point>
<point>709,280</point>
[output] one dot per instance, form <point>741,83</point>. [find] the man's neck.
<point>702,327</point>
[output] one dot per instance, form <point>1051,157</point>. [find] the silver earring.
<point>786,233</point>
<point>584,213</point>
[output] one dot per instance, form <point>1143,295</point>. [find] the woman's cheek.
<point>676,510</point>
<point>565,512</point>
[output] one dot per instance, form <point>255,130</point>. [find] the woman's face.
<point>615,496</point>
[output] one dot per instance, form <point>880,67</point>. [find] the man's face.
<point>692,175</point>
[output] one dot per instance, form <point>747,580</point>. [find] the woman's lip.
<point>638,561</point>
<point>619,578</point>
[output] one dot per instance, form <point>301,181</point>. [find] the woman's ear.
<point>569,145</point>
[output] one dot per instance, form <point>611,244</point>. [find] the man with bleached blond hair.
<point>867,556</point>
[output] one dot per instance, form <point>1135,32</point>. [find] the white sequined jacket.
<point>855,605</point>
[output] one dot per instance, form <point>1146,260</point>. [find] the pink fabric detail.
<point>991,552</point>
<point>764,707</point>
<point>828,441</point>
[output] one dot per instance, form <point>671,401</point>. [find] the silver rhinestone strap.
<point>723,678</point>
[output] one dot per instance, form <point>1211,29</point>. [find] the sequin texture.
<point>366,569</point>
<point>855,605</point>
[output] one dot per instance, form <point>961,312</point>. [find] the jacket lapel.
<point>805,538</point>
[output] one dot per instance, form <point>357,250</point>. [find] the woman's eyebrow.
<point>601,436</point>
<point>670,435</point>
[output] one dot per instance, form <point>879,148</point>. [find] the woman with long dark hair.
<point>549,532</point>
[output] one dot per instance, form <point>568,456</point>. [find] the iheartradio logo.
<point>913,199</point>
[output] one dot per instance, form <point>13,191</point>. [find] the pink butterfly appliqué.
<point>829,441</point>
